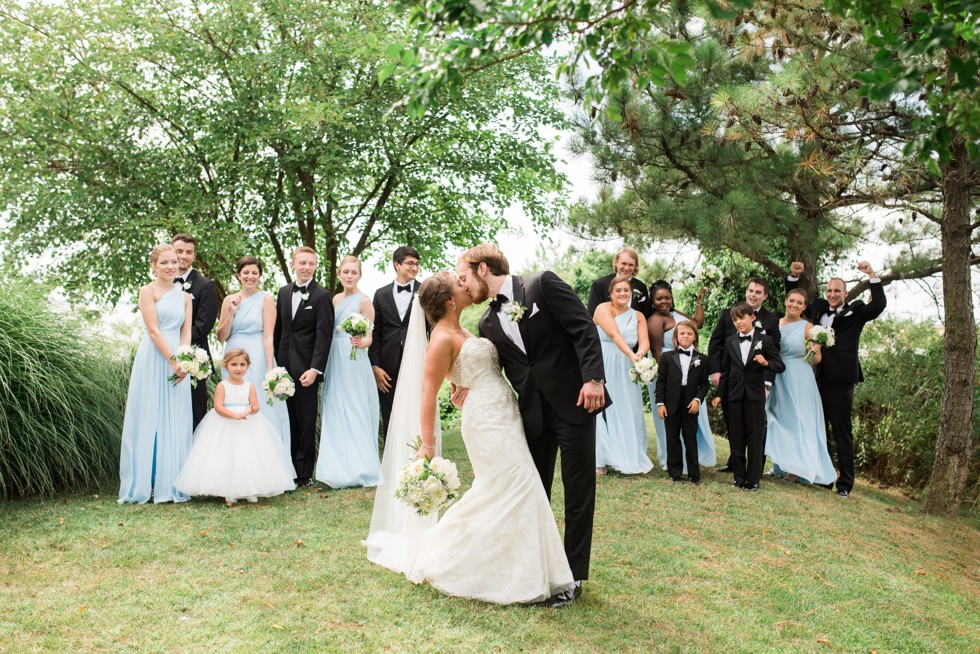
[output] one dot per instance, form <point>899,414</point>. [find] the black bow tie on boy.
<point>683,353</point>
<point>742,339</point>
<point>298,289</point>
<point>496,303</point>
<point>407,288</point>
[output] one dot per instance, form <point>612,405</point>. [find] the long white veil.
<point>393,538</point>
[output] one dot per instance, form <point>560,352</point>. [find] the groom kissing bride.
<point>549,349</point>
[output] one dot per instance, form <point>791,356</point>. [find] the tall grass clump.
<point>62,399</point>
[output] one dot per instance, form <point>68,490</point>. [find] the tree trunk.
<point>954,442</point>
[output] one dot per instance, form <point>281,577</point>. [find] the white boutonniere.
<point>758,324</point>
<point>305,296</point>
<point>697,362</point>
<point>636,293</point>
<point>515,311</point>
<point>758,346</point>
<point>186,286</point>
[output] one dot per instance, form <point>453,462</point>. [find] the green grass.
<point>675,569</point>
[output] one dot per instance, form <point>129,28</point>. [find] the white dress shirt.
<point>510,327</point>
<point>298,297</point>
<point>403,300</point>
<point>685,363</point>
<point>745,347</point>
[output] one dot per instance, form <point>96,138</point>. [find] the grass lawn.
<point>676,568</point>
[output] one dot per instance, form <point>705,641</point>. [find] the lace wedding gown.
<point>499,543</point>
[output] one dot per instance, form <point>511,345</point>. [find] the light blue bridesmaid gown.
<point>706,442</point>
<point>247,333</point>
<point>621,432</point>
<point>159,423</point>
<point>796,436</point>
<point>350,412</point>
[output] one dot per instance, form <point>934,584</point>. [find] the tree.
<point>259,127</point>
<point>935,50</point>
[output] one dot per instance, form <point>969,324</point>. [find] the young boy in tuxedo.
<point>749,365</point>
<point>682,383</point>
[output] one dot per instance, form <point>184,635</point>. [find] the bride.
<point>499,543</point>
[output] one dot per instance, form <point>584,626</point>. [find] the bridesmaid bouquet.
<point>356,325</point>
<point>644,371</point>
<point>822,336</point>
<point>278,385</point>
<point>192,360</point>
<point>428,485</point>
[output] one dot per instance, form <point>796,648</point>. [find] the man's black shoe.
<point>725,468</point>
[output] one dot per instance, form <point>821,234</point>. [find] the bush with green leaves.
<point>896,408</point>
<point>62,398</point>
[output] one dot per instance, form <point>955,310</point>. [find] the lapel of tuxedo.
<point>519,298</point>
<point>735,350</point>
<point>411,301</point>
<point>499,337</point>
<point>286,301</point>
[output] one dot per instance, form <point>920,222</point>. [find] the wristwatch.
<point>598,380</point>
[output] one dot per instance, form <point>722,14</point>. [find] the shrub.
<point>62,399</point>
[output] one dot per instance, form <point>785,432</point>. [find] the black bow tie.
<point>683,353</point>
<point>179,280</point>
<point>496,303</point>
<point>299,289</point>
<point>407,288</point>
<point>833,312</point>
<point>742,339</point>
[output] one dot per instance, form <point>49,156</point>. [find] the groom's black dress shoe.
<point>563,598</point>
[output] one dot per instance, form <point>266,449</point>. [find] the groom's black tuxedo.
<point>563,352</point>
<point>388,342</point>
<point>204,311</point>
<point>302,342</point>
<point>839,369</point>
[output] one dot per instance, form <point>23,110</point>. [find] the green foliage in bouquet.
<point>62,399</point>
<point>896,409</point>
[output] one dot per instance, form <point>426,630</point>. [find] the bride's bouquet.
<point>644,371</point>
<point>822,336</point>
<point>428,485</point>
<point>191,360</point>
<point>356,325</point>
<point>278,385</point>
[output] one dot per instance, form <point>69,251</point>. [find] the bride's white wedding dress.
<point>499,543</point>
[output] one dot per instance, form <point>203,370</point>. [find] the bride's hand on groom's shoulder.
<point>458,395</point>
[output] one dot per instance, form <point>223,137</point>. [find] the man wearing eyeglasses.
<point>392,309</point>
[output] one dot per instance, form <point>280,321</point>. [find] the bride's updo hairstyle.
<point>434,293</point>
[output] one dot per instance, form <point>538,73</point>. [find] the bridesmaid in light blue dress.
<point>796,437</point>
<point>159,422</point>
<point>351,409</point>
<point>248,320</point>
<point>661,327</point>
<point>621,431</point>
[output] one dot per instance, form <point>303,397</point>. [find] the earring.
<point>454,305</point>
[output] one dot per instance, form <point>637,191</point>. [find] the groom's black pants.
<point>577,446</point>
<point>838,400</point>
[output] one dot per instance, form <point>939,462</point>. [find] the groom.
<point>550,351</point>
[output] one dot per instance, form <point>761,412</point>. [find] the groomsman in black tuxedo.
<point>839,369</point>
<point>550,352</point>
<point>756,293</point>
<point>302,340</point>
<point>624,265</point>
<point>392,309</point>
<point>682,384</point>
<point>749,363</point>
<point>204,302</point>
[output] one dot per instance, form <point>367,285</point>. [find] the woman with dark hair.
<point>661,326</point>
<point>247,321</point>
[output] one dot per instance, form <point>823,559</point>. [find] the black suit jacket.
<point>599,293</point>
<point>669,391</point>
<point>204,311</point>
<point>388,339</point>
<point>563,350</point>
<point>741,382</point>
<point>725,328</point>
<point>303,342</point>
<point>840,364</point>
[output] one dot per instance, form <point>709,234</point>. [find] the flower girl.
<point>237,452</point>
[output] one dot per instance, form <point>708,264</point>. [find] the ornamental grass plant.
<point>62,398</point>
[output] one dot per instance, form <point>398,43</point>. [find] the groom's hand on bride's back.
<point>458,395</point>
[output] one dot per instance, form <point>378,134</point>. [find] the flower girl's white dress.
<point>499,543</point>
<point>236,459</point>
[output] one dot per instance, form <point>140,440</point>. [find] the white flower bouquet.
<point>278,385</point>
<point>428,485</point>
<point>644,371</point>
<point>193,361</point>
<point>356,325</point>
<point>822,336</point>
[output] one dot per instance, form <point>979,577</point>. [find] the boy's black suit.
<point>676,398</point>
